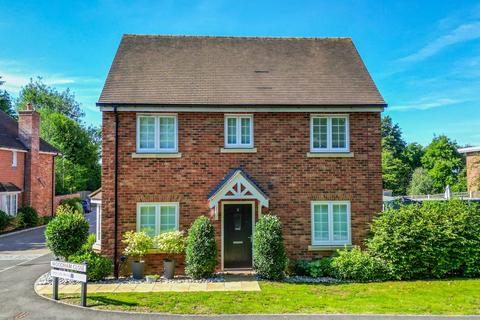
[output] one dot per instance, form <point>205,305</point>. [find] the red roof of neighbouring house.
<point>9,136</point>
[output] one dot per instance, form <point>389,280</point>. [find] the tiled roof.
<point>9,136</point>
<point>8,187</point>
<point>190,70</point>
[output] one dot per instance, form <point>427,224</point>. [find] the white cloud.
<point>15,81</point>
<point>463,33</point>
<point>426,104</point>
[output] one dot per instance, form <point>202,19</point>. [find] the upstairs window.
<point>329,134</point>
<point>331,223</point>
<point>157,218</point>
<point>239,131</point>
<point>157,133</point>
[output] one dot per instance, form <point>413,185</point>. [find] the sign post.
<point>69,271</point>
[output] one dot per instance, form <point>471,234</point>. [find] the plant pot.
<point>137,269</point>
<point>151,279</point>
<point>168,269</point>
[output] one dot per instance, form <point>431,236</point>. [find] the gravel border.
<point>47,279</point>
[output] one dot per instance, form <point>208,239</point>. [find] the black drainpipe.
<point>115,251</point>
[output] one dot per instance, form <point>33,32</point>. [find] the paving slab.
<point>216,286</point>
<point>144,287</point>
<point>126,288</point>
<point>180,287</point>
<point>162,287</point>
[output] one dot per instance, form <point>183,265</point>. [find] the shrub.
<point>435,239</point>
<point>300,268</point>
<point>66,233</point>
<point>27,217</point>
<point>66,208</point>
<point>201,250</point>
<point>269,258</point>
<point>74,202</point>
<point>171,243</point>
<point>44,220</point>
<point>358,265</point>
<point>320,268</point>
<point>138,244</point>
<point>98,266</point>
<point>4,220</point>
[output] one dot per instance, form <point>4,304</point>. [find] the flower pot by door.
<point>137,269</point>
<point>169,269</point>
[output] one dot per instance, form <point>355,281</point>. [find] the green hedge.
<point>27,217</point>
<point>74,202</point>
<point>434,239</point>
<point>4,220</point>
<point>201,250</point>
<point>269,257</point>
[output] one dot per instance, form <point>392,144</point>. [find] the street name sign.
<point>69,275</point>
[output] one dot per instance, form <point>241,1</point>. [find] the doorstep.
<point>251,285</point>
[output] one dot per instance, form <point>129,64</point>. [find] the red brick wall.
<point>41,198</point>
<point>281,166</point>
<point>473,171</point>
<point>12,174</point>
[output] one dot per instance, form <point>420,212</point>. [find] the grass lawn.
<point>413,297</point>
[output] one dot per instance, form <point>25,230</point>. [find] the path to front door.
<point>237,235</point>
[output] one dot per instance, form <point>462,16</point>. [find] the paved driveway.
<point>26,258</point>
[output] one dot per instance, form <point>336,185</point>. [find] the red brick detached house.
<point>27,166</point>
<point>234,127</point>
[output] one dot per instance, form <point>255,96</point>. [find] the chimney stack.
<point>29,133</point>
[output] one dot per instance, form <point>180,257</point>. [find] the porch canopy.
<point>237,185</point>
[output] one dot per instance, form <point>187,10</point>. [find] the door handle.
<point>237,242</point>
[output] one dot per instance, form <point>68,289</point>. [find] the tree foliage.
<point>79,166</point>
<point>43,96</point>
<point>421,182</point>
<point>395,173</point>
<point>6,101</point>
<point>392,139</point>
<point>443,163</point>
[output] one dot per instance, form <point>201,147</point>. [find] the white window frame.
<point>3,202</point>
<point>157,148</point>
<point>14,159</point>
<point>330,241</point>
<point>157,206</point>
<point>329,147</point>
<point>238,133</point>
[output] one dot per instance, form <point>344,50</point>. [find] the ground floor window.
<point>331,223</point>
<point>156,218</point>
<point>9,203</point>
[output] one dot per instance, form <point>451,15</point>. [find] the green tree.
<point>412,155</point>
<point>6,103</point>
<point>79,166</point>
<point>395,173</point>
<point>45,97</point>
<point>392,139</point>
<point>444,164</point>
<point>421,182</point>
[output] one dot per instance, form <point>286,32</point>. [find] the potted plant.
<point>151,278</point>
<point>171,243</point>
<point>138,243</point>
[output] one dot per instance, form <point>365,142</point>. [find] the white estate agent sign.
<point>66,273</point>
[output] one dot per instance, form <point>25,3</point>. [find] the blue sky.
<point>423,55</point>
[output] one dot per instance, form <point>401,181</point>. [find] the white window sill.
<point>330,154</point>
<point>238,150</point>
<point>96,246</point>
<point>328,247</point>
<point>156,155</point>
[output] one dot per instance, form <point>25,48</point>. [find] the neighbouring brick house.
<point>472,155</point>
<point>234,127</point>
<point>27,165</point>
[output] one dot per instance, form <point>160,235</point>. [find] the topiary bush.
<point>358,265</point>
<point>27,217</point>
<point>4,220</point>
<point>201,250</point>
<point>269,257</point>
<point>433,239</point>
<point>66,233</point>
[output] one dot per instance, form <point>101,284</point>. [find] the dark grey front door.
<point>237,233</point>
